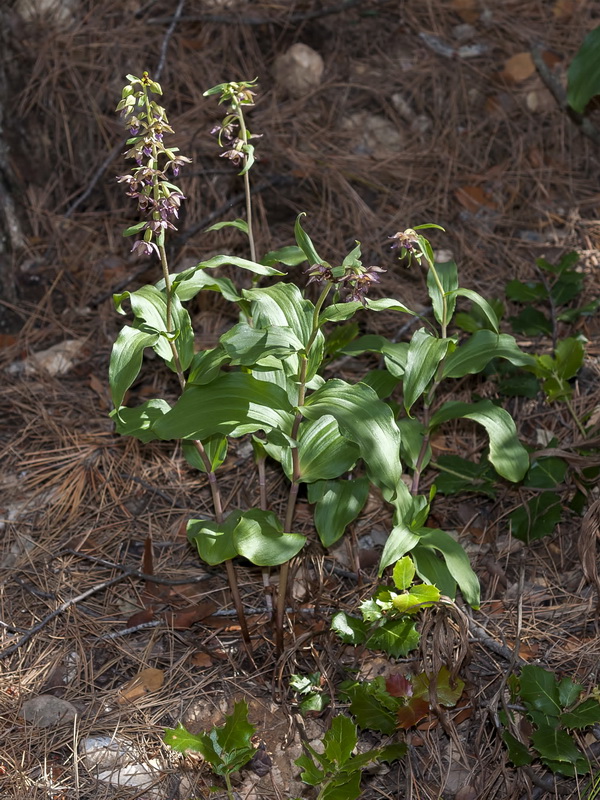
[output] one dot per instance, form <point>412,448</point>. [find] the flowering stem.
<point>244,136</point>
<point>295,485</point>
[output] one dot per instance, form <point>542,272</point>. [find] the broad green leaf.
<point>381,381</point>
<point>569,692</point>
<point>372,706</point>
<point>323,453</point>
<point>310,774</point>
<point>456,560</point>
<point>259,537</point>
<point>314,703</point>
<point>448,277</point>
<point>422,596</point>
<point>370,610</point>
<point>476,353</point>
<point>556,745</point>
<point>569,357</point>
<point>215,448</point>
<point>539,689</point>
<point>392,752</point>
<point>240,224</point>
<point>366,420</point>
<point>546,473</point>
<point>242,263</point>
<point>338,503</point>
<point>400,541</point>
<point>350,629</point>
<point>182,740</point>
<point>395,354</point>
<point>237,732</point>
<point>526,292</point>
<point>149,306</point>
<point>531,322</point>
<point>518,753</point>
<point>537,518</point>
<point>291,256</point>
<point>233,404</point>
<point>424,355</point>
<point>486,308</point>
<point>248,346</point>
<point>304,242</point>
<point>403,573</point>
<point>188,283</point>
<point>583,76</point>
<point>459,475</point>
<point>433,569</point>
<point>138,421</point>
<point>206,365</point>
<point>397,637</point>
<point>282,305</point>
<point>133,229</point>
<point>337,312</point>
<point>126,360</point>
<point>339,337</point>
<point>507,454</point>
<point>582,716</point>
<point>213,540</point>
<point>448,692</point>
<point>340,740</point>
<point>411,440</point>
<point>353,257</point>
<point>344,787</point>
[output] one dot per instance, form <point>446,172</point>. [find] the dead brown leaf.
<point>148,680</point>
<point>473,198</point>
<point>184,619</point>
<point>467,10</point>
<point>200,659</point>
<point>518,68</point>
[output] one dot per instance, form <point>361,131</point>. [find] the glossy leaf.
<point>486,308</point>
<point>507,454</point>
<point>126,360</point>
<point>424,355</point>
<point>242,263</point>
<point>366,420</point>
<point>188,283</point>
<point>304,242</point>
<point>433,569</point>
<point>518,753</point>
<point>475,354</point>
<point>233,404</point>
<point>215,448</point>
<point>397,637</point>
<point>554,744</point>
<point>248,345</point>
<point>403,573</point>
<point>372,706</point>
<point>213,540</point>
<point>537,518</point>
<point>338,312</point>
<point>400,541</point>
<point>323,453</point>
<point>290,255</point>
<point>138,421</point>
<point>448,277</point>
<point>340,740</point>
<point>546,473</point>
<point>259,537</point>
<point>569,357</point>
<point>583,76</point>
<point>582,716</point>
<point>456,560</point>
<point>240,224</point>
<point>350,629</point>
<point>412,713</point>
<point>569,692</point>
<point>539,689</point>
<point>338,503</point>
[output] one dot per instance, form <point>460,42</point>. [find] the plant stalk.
<point>244,136</point>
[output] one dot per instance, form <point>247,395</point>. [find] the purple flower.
<point>143,248</point>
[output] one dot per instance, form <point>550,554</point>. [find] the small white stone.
<point>48,711</point>
<point>299,70</point>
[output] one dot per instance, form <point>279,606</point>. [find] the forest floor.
<point>424,112</point>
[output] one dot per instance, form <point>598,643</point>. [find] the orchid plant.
<point>264,377</point>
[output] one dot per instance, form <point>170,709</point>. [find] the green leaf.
<point>507,454</point>
<point>531,322</point>
<point>546,473</point>
<point>391,752</point>
<point>282,305</point>
<point>290,255</point>
<point>213,540</point>
<point>556,745</point>
<point>539,689</point>
<point>569,356</point>
<point>344,787</point>
<point>126,360</point>
<point>424,355</point>
<point>475,354</point>
<point>459,475</point>
<point>397,637</point>
<point>448,692</point>
<point>242,263</point>
<point>583,76</point>
<point>526,292</point>
<point>456,560</point>
<point>133,229</point>
<point>395,354</point>
<point>339,337</point>
<point>138,421</point>
<point>337,312</point>
<point>305,244</point>
<point>434,570</point>
<point>206,365</point>
<point>374,708</point>
<point>568,692</point>
<point>400,541</point>
<point>248,345</point>
<point>181,739</point>
<point>582,716</point>
<point>340,740</point>
<point>149,306</point>
<point>448,277</point>
<point>517,751</point>
<point>422,596</point>
<point>338,503</point>
<point>537,518</point>
<point>234,404</point>
<point>188,283</point>
<point>240,224</point>
<point>237,732</point>
<point>366,420</point>
<point>486,308</point>
<point>381,381</point>
<point>403,573</point>
<point>215,448</point>
<point>259,537</point>
<point>314,703</point>
<point>350,629</point>
<point>323,453</point>
<point>310,774</point>
<point>412,433</point>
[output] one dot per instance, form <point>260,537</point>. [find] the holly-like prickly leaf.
<point>398,686</point>
<point>403,573</point>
